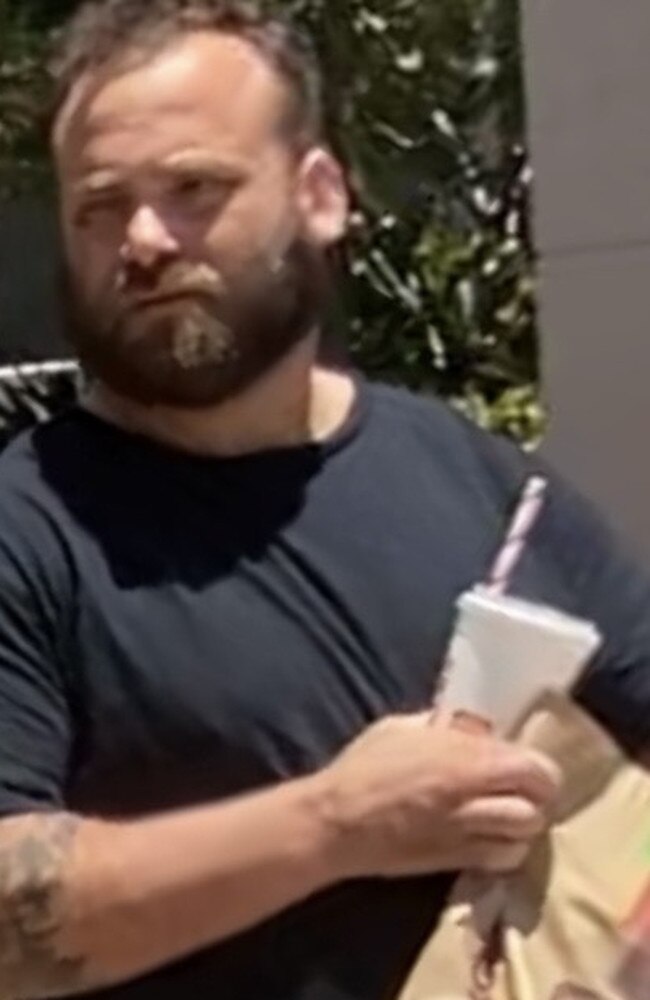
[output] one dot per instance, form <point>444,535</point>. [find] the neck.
<point>297,402</point>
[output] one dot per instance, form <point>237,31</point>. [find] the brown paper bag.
<point>574,923</point>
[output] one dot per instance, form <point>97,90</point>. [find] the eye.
<point>201,189</point>
<point>196,185</point>
<point>100,211</point>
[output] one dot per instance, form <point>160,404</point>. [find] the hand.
<point>409,797</point>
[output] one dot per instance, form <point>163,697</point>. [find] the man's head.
<point>197,200</point>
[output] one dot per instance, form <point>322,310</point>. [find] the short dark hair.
<point>102,30</point>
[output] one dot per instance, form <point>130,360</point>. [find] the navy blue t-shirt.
<point>177,629</point>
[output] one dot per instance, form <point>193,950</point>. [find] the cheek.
<point>91,261</point>
<point>225,245</point>
<point>249,230</point>
<point>93,275</point>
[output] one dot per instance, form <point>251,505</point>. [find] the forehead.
<point>206,89</point>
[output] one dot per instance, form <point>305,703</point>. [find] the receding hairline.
<point>135,55</point>
<point>106,46</point>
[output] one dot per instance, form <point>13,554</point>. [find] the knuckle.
<point>386,725</point>
<point>546,767</point>
<point>503,858</point>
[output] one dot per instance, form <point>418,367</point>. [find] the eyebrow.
<point>201,163</point>
<point>99,182</point>
<point>108,180</point>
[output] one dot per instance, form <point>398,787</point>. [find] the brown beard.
<point>200,346</point>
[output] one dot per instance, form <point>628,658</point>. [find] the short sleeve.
<point>584,567</point>
<point>612,589</point>
<point>35,725</point>
<point>577,562</point>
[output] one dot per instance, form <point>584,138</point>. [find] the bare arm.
<point>85,904</point>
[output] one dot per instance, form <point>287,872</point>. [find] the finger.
<point>469,722</point>
<point>394,725</point>
<point>527,773</point>
<point>481,854</point>
<point>496,857</point>
<point>412,719</point>
<point>461,722</point>
<point>541,778</point>
<point>439,718</point>
<point>504,817</point>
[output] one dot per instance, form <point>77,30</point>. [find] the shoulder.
<point>426,426</point>
<point>573,535</point>
<point>31,514</point>
<point>20,464</point>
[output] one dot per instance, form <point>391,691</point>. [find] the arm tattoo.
<point>33,858</point>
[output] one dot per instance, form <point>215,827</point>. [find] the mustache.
<point>137,284</point>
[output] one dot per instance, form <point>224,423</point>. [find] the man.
<point>227,579</point>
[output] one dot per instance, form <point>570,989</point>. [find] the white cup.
<point>505,652</point>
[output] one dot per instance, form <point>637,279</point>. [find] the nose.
<point>148,239</point>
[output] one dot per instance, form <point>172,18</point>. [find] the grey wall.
<point>29,321</point>
<point>588,74</point>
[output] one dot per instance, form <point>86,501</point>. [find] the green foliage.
<point>424,103</point>
<point>21,82</point>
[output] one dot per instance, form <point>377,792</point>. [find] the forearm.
<point>85,904</point>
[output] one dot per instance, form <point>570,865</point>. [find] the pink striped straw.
<point>500,577</point>
<point>524,520</point>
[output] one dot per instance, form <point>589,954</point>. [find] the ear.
<point>323,199</point>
